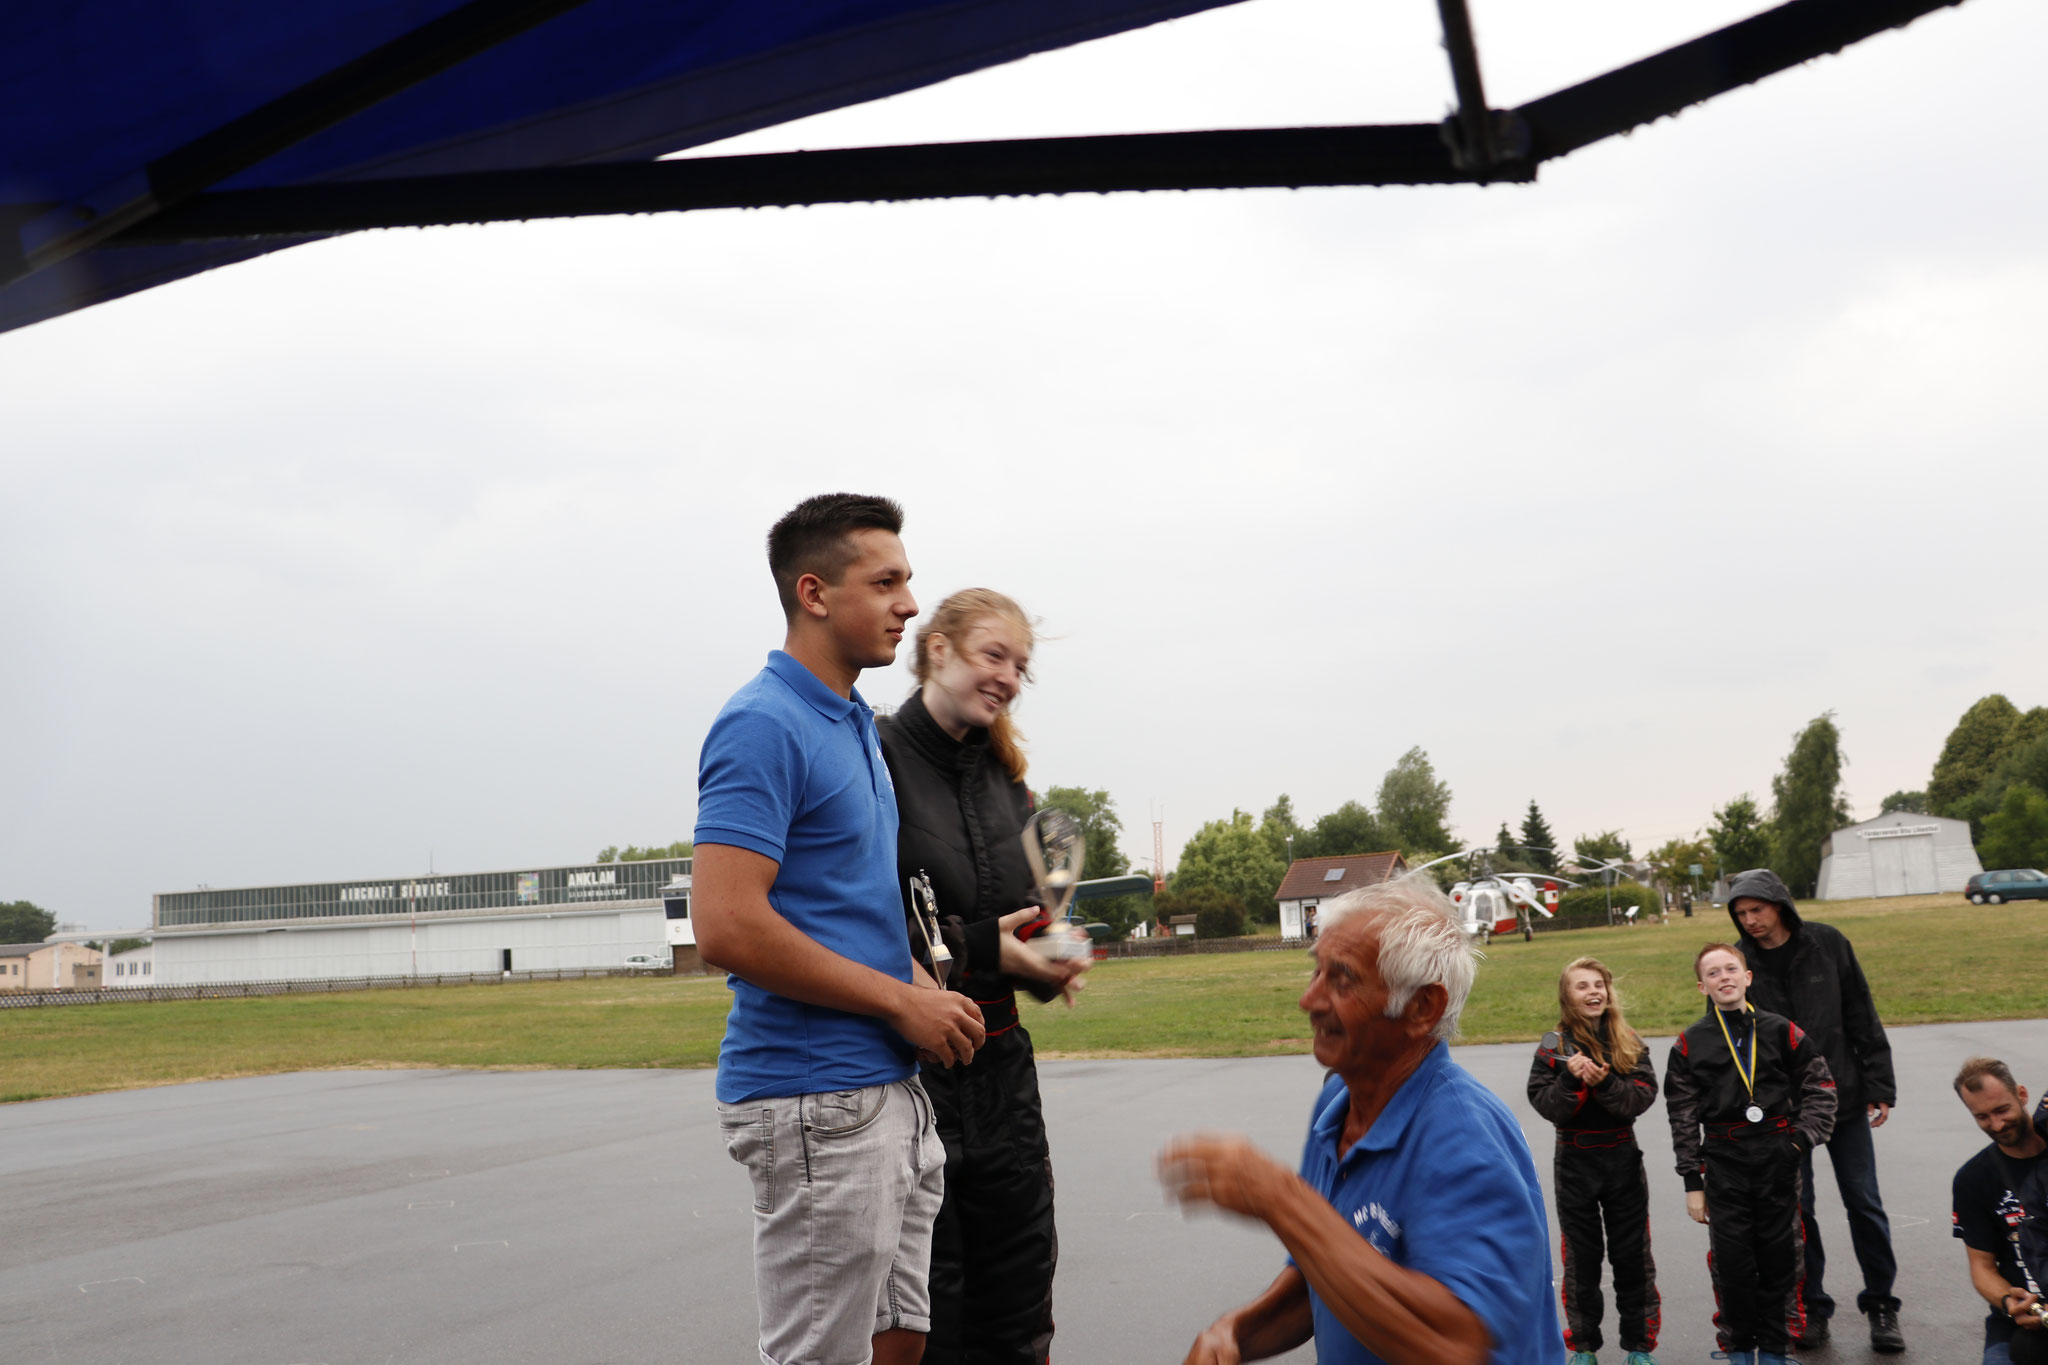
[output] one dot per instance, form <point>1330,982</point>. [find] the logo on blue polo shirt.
<point>1378,1226</point>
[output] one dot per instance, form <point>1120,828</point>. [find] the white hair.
<point>1421,942</point>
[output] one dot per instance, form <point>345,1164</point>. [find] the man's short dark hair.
<point>1970,1080</point>
<point>816,536</point>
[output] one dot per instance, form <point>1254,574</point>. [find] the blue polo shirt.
<point>793,771</point>
<point>1442,1183</point>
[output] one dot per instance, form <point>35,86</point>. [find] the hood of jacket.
<point>1762,884</point>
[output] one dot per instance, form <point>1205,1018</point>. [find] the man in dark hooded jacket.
<point>1809,973</point>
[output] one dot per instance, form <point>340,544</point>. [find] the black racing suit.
<point>1749,1170</point>
<point>1601,1186</point>
<point>994,1246</point>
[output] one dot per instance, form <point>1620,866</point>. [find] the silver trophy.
<point>1054,849</point>
<point>1558,1044</point>
<point>924,908</point>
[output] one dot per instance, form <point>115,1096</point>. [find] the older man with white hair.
<point>1415,1229</point>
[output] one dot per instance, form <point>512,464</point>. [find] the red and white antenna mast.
<point>1158,853</point>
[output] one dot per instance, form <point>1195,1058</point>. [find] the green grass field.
<point>1929,958</point>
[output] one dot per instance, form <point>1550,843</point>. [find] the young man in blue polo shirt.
<point>794,894</point>
<point>1415,1229</point>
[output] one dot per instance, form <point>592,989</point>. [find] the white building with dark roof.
<point>49,966</point>
<point>1311,881</point>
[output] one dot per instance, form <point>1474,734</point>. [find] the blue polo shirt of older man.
<point>1442,1184</point>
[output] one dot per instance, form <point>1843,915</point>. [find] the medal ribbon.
<point>1749,1076</point>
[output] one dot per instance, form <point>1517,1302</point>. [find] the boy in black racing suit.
<point>1761,1096</point>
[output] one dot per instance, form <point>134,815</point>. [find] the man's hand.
<point>1220,1169</point>
<point>1696,1205</point>
<point>1216,1346</point>
<point>944,1026</point>
<point>1878,1114</point>
<point>1019,958</point>
<point>2019,1306</point>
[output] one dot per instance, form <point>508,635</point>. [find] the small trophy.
<point>1054,849</point>
<point>1557,1043</point>
<point>924,908</point>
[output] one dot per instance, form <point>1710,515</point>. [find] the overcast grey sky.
<point>447,544</point>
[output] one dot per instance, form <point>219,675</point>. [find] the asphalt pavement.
<point>407,1217</point>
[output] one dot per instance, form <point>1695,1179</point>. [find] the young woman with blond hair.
<point>1593,1085</point>
<point>958,765</point>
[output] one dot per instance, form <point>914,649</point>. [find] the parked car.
<point>646,962</point>
<point>2010,884</point>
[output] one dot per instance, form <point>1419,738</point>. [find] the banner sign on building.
<point>563,886</point>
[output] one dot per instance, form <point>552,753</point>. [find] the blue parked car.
<point>2013,884</point>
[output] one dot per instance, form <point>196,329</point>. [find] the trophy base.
<point>1061,942</point>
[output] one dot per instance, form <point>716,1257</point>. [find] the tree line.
<point>1992,772</point>
<point>1230,869</point>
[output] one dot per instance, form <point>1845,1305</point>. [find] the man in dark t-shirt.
<point>1998,1212</point>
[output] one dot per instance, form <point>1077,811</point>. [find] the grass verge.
<point>1929,959</point>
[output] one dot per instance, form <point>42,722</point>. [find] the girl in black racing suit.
<point>1593,1087</point>
<point>959,773</point>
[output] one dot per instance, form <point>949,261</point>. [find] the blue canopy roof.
<point>145,140</point>
<point>92,92</point>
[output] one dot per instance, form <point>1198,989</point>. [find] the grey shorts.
<point>846,1185</point>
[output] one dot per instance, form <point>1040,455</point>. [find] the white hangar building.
<point>1900,854</point>
<point>547,919</point>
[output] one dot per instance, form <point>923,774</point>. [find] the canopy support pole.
<point>1470,131</point>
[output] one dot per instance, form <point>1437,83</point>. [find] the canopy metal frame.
<point>171,200</point>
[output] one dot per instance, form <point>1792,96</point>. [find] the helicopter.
<point>1491,903</point>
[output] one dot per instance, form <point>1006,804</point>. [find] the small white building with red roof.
<point>1311,881</point>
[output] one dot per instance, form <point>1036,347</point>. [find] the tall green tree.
<point>1278,826</point>
<point>1415,807</point>
<point>2026,763</point>
<point>1916,802</point>
<point>1505,841</point>
<point>1740,836</point>
<point>1674,857</point>
<point>1538,843</point>
<point>633,853</point>
<point>1230,856</point>
<point>2016,834</point>
<point>25,922</point>
<point>1971,753</point>
<point>2024,759</point>
<point>1608,846</point>
<point>1808,803</point>
<point>1351,828</point>
<point>1103,829</point>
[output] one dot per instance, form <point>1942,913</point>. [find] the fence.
<point>1175,945</point>
<point>230,990</point>
<point>1166,946</point>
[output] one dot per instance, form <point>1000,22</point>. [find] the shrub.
<point>1217,914</point>
<point>1586,906</point>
